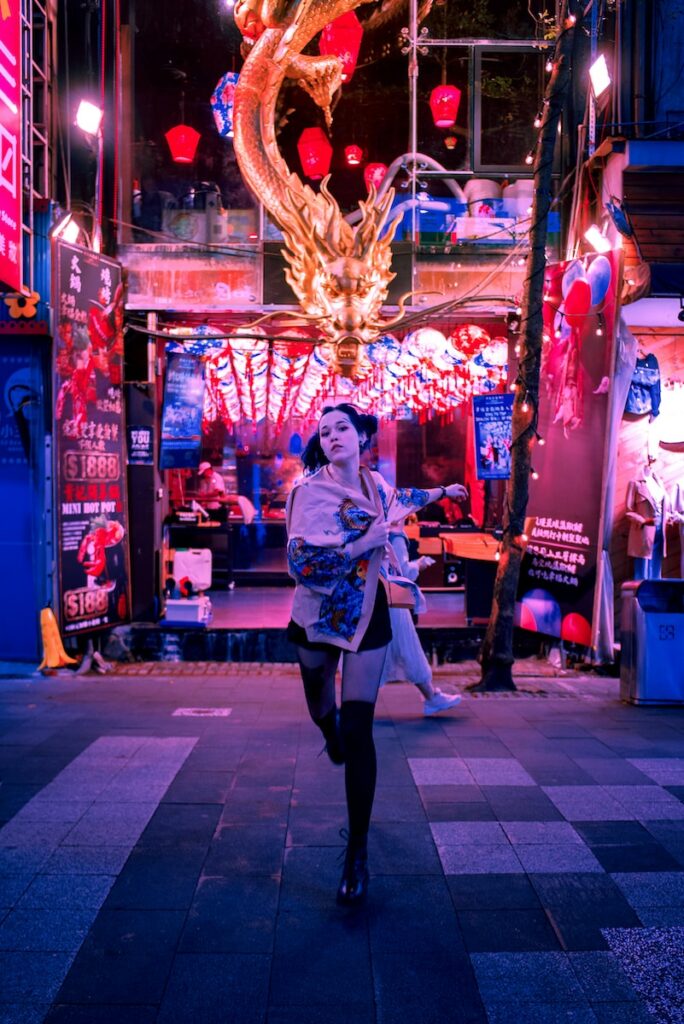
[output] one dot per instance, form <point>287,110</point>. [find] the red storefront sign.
<point>90,442</point>
<point>10,145</point>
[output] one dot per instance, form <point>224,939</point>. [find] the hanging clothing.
<point>644,391</point>
<point>648,507</point>
<point>677,512</point>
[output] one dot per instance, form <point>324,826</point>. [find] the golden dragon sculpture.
<point>340,273</point>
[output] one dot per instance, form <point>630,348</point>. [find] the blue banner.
<point>181,431</point>
<point>492,433</point>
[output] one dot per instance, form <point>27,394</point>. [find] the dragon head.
<point>339,273</point>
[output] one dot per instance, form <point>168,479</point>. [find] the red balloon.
<point>577,302</point>
<point>576,630</point>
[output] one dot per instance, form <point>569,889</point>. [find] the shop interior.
<point>224,525</point>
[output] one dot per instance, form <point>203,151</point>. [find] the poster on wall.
<point>181,428</point>
<point>10,147</point>
<point>557,588</point>
<point>492,434</point>
<point>92,510</point>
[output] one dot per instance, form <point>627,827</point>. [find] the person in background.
<point>405,660</point>
<point>210,486</point>
<point>338,524</point>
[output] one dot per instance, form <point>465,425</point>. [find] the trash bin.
<point>652,642</point>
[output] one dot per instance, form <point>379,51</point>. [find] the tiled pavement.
<point>527,857</point>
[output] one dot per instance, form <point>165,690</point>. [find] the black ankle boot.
<point>330,727</point>
<point>354,882</point>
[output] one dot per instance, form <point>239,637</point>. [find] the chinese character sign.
<point>92,513</point>
<point>10,146</point>
<point>558,574</point>
<point>492,422</point>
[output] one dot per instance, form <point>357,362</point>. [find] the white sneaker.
<point>440,702</point>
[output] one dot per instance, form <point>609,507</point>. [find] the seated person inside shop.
<point>210,489</point>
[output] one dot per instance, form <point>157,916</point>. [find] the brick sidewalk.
<point>159,863</point>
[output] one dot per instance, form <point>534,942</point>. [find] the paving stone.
<point>437,811</point>
<point>656,889</point>
<point>158,878</point>
<point>66,892</point>
<point>64,1014</point>
<point>580,905</point>
<point>232,915</point>
<point>653,959</point>
<point>428,771</point>
<point>30,977</point>
<point>540,1013</point>
<point>587,803</point>
<point>412,987</point>
<point>399,849</point>
<point>201,988</point>
<point>23,1013</point>
<point>408,914</point>
<point>545,977</point>
<point>321,957</point>
<point>648,802</point>
<point>479,860</point>
<point>666,771</point>
<point>602,978</point>
<point>521,803</point>
<point>500,771</point>
<point>614,833</point>
<point>641,857</point>
<point>497,931</point>
<point>199,787</point>
<point>492,892</point>
<point>45,931</point>
<point>524,833</point>
<point>126,958</point>
<point>311,876</point>
<point>548,858</point>
<point>255,848</point>
<point>86,860</point>
<point>612,771</point>
<point>12,887</point>
<point>459,833</point>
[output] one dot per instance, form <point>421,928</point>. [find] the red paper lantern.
<point>444,103</point>
<point>353,155</point>
<point>342,38</point>
<point>373,174</point>
<point>315,153</point>
<point>182,142</point>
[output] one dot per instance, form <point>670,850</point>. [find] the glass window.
<point>511,90</point>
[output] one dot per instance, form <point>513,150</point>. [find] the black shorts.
<point>378,632</point>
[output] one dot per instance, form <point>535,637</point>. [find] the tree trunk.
<point>496,656</point>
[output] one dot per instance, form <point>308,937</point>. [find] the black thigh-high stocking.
<point>318,675</point>
<point>360,682</point>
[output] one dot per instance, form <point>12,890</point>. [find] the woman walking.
<point>405,661</point>
<point>338,526</point>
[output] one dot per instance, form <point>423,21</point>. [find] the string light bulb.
<point>541,440</point>
<point>526,405</point>
<point>529,159</point>
<point>538,120</point>
<point>534,474</point>
<point>549,66</point>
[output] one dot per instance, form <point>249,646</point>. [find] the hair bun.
<point>369,423</point>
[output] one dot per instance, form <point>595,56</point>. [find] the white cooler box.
<point>188,611</point>
<point>195,563</point>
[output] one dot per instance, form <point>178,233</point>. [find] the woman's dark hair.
<point>363,423</point>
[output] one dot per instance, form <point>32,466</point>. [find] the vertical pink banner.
<point>559,572</point>
<point>10,145</point>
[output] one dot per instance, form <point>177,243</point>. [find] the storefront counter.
<point>478,554</point>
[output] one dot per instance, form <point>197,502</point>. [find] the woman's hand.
<point>457,492</point>
<point>376,536</point>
